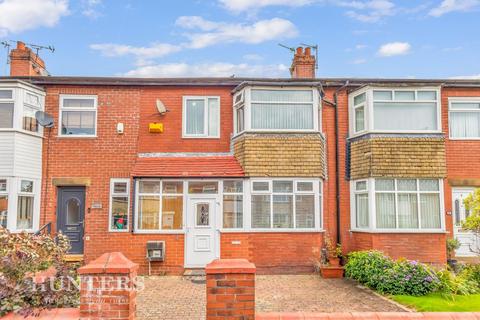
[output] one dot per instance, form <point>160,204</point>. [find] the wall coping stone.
<point>222,266</point>
<point>111,262</point>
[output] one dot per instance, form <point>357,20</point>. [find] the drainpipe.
<point>334,104</point>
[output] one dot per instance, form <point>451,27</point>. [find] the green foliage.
<point>452,245</point>
<point>435,302</point>
<point>451,284</point>
<point>379,272</point>
<point>21,256</point>
<point>471,273</point>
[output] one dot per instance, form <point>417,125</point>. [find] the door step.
<point>195,275</point>
<point>74,258</point>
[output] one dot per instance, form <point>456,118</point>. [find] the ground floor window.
<point>3,203</point>
<point>119,204</point>
<point>397,204</point>
<point>232,204</point>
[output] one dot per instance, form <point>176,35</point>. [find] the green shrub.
<point>471,272</point>
<point>450,284</point>
<point>367,267</point>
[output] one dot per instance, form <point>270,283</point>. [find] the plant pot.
<point>334,261</point>
<point>452,263</point>
<point>331,272</point>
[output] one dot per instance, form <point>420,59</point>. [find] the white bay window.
<point>397,204</point>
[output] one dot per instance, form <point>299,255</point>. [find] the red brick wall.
<point>274,252</point>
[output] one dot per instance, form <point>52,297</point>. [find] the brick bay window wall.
<point>397,167</point>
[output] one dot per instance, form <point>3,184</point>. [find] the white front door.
<point>201,238</point>
<point>467,239</point>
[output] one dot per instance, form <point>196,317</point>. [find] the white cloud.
<point>394,49</point>
<point>368,11</point>
<point>470,77</point>
<point>20,15</point>
<point>155,50</point>
<point>220,32</point>
<point>452,49</point>
<point>218,69</point>
<point>245,5</point>
<point>91,8</point>
<point>253,57</point>
<point>359,61</point>
<point>448,6</point>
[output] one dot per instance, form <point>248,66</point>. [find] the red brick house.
<point>261,169</point>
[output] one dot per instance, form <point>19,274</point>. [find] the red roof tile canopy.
<point>211,166</point>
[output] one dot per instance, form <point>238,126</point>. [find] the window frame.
<point>205,135</point>
<point>372,206</point>
<point>222,193</point>
<point>112,195</point>
<point>6,193</point>
<point>33,194</point>
<point>36,107</point>
<point>247,109</point>
<point>369,108</point>
<point>452,100</point>
<point>90,109</point>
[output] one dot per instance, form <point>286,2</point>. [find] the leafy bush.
<point>450,284</point>
<point>21,256</point>
<point>379,272</point>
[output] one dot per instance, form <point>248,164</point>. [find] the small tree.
<point>472,222</point>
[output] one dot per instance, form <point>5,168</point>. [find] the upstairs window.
<point>78,116</point>
<point>32,104</point>
<point>396,110</point>
<point>464,115</point>
<point>201,117</point>
<point>6,108</point>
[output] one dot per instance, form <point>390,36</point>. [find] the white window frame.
<point>223,193</point>
<point>113,181</point>
<point>318,198</point>
<point>34,195</point>
<point>205,135</point>
<point>354,201</point>
<point>369,117</point>
<point>7,194</point>
<point>372,207</point>
<point>62,108</point>
<point>36,107</point>
<point>450,111</point>
<point>247,113</point>
<point>365,120</point>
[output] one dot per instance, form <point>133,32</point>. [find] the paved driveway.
<point>171,298</point>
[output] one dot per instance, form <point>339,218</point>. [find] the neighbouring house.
<point>194,169</point>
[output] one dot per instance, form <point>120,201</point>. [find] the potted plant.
<point>452,245</point>
<point>332,268</point>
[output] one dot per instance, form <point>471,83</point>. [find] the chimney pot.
<point>21,45</point>
<point>25,63</point>
<point>303,64</point>
<point>300,50</point>
<point>307,51</point>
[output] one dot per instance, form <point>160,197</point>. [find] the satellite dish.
<point>44,119</point>
<point>161,107</point>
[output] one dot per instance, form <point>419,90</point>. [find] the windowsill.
<point>271,230</point>
<point>118,231</point>
<point>30,133</point>
<point>398,231</point>
<point>464,139</point>
<point>202,137</point>
<point>236,135</point>
<point>76,137</point>
<point>159,231</point>
<point>359,134</point>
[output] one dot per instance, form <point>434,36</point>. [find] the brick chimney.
<point>25,63</point>
<point>303,64</point>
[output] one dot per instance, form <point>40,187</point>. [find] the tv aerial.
<point>315,48</point>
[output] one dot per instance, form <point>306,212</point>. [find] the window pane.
<point>465,124</point>
<point>213,116</point>
<point>426,95</point>
<point>3,211</point>
<point>6,94</point>
<point>148,212</point>
<point>3,185</point>
<point>407,211</point>
<point>361,185</point>
<point>405,95</point>
<point>195,117</point>
<point>78,122</point>
<point>260,211</point>
<point>172,212</point>
<point>233,186</point>
<point>359,99</point>
<point>361,205</point>
<point>305,211</point>
<point>429,185</point>
<point>282,186</point>
<point>73,211</point>
<point>304,186</point>
<point>29,122</point>
<point>25,212</point>
<point>282,211</point>
<point>26,186</point>
<point>405,116</point>
<point>384,184</point>
<point>430,211</point>
<point>6,115</point>
<point>382,95</point>
<point>282,116</point>
<point>232,211</point>
<point>202,187</point>
<point>385,206</point>
<point>202,212</point>
<point>465,105</point>
<point>407,185</point>
<point>78,103</point>
<point>149,187</point>
<point>32,99</point>
<point>282,95</point>
<point>119,213</point>
<point>260,186</point>
<point>172,186</point>
<point>120,187</point>
<point>359,119</point>
<point>240,119</point>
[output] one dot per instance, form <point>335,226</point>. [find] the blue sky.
<point>359,38</point>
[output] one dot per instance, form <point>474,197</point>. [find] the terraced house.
<point>177,172</point>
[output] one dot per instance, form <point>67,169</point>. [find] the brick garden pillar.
<point>230,289</point>
<point>107,288</point>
